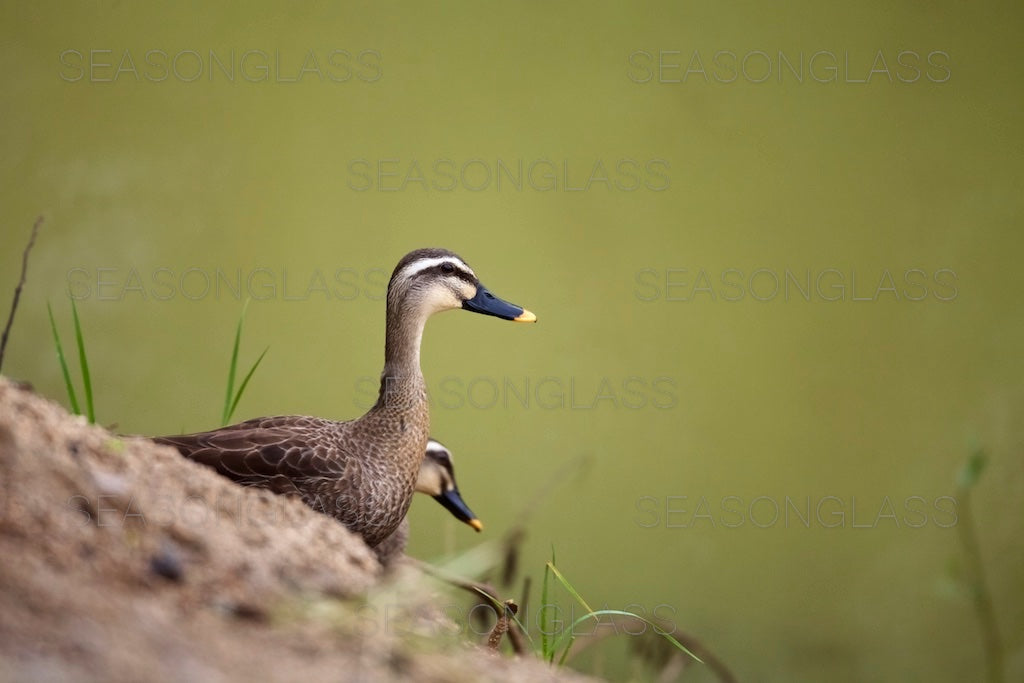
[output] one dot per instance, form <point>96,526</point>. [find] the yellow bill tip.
<point>476,524</point>
<point>525,317</point>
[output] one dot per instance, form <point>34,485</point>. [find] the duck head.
<point>437,479</point>
<point>434,280</point>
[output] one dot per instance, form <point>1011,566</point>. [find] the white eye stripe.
<point>419,265</point>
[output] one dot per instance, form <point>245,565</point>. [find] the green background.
<point>657,207</point>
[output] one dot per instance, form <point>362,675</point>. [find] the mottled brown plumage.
<point>361,471</point>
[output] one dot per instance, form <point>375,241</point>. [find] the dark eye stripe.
<point>439,269</point>
<point>442,458</point>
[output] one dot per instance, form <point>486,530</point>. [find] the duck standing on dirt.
<point>362,472</point>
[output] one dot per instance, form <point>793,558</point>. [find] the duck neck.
<point>401,382</point>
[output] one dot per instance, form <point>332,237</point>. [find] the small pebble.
<point>167,563</point>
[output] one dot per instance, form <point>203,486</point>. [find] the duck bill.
<point>488,304</point>
<point>453,502</point>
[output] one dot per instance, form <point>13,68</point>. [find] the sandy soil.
<point>122,561</point>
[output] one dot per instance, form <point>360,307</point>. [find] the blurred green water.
<point>550,148</point>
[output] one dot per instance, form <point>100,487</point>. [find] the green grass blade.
<point>225,414</point>
<point>63,364</point>
<point>570,634</point>
<point>84,362</point>
<point>245,382</point>
<point>593,614</point>
<point>568,586</point>
<point>545,639</point>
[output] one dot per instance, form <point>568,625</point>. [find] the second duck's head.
<point>434,280</point>
<point>437,479</point>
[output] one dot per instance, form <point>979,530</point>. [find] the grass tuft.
<point>83,361</point>
<point>231,398</point>
<point>72,396</point>
<point>549,650</point>
<point>245,382</point>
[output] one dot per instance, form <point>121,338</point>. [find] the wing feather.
<point>260,452</point>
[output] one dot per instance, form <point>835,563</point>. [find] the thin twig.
<point>17,290</point>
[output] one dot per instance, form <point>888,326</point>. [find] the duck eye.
<point>447,268</point>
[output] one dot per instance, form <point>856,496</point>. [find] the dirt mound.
<point>121,560</point>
